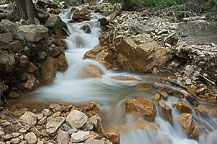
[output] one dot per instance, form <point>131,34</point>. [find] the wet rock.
<point>141,54</point>
<point>23,61</point>
<point>187,123</point>
<point>33,33</point>
<point>80,136</point>
<point>141,106</point>
<point>113,136</point>
<point>81,15</point>
<point>92,71</point>
<point>164,95</point>
<point>53,124</point>
<point>31,82</point>
<point>48,70</point>
<point>55,22</point>
<point>157,97</point>
<point>28,118</point>
<point>62,137</point>
<point>183,107</point>
<point>62,63</point>
<point>86,29</point>
<point>31,138</point>
<point>202,110</point>
<point>76,119</point>
<point>166,112</point>
<point>102,54</point>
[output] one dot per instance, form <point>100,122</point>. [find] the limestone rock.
<point>31,138</point>
<point>94,141</point>
<point>7,61</point>
<point>53,124</point>
<point>55,22</point>
<point>80,136</point>
<point>62,137</point>
<point>141,54</point>
<point>141,106</point>
<point>15,141</point>
<point>33,33</point>
<point>81,15</point>
<point>187,123</point>
<point>166,112</point>
<point>76,119</point>
<point>102,54</point>
<point>48,70</point>
<point>62,62</point>
<point>28,118</point>
<point>183,107</point>
<point>92,71</point>
<point>12,28</point>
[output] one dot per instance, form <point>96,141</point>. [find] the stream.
<point>111,94</point>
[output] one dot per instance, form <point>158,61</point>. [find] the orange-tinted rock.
<point>113,136</point>
<point>102,54</point>
<point>48,70</point>
<point>138,125</point>
<point>81,15</point>
<point>62,62</point>
<point>164,95</point>
<point>202,110</point>
<point>166,112</point>
<point>124,78</point>
<point>183,107</point>
<point>141,54</point>
<point>157,97</point>
<point>144,107</point>
<point>187,123</point>
<point>92,71</point>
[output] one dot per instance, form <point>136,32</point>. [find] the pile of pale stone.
<point>52,126</point>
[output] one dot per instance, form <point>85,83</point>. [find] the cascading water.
<point>110,95</point>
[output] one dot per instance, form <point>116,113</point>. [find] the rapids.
<point>110,94</point>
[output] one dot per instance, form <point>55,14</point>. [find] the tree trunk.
<point>20,11</point>
<point>30,11</point>
<point>25,9</point>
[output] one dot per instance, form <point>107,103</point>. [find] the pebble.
<point>46,112</point>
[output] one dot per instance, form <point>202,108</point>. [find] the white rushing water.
<point>110,95</point>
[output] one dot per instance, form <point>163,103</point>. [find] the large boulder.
<point>188,125</point>
<point>76,119</point>
<point>183,107</point>
<point>102,54</point>
<point>7,61</point>
<point>28,118</point>
<point>33,33</point>
<point>81,15</point>
<point>144,107</point>
<point>92,71</point>
<point>53,124</point>
<point>55,22</point>
<point>166,112</point>
<point>8,26</point>
<point>141,54</point>
<point>49,70</point>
